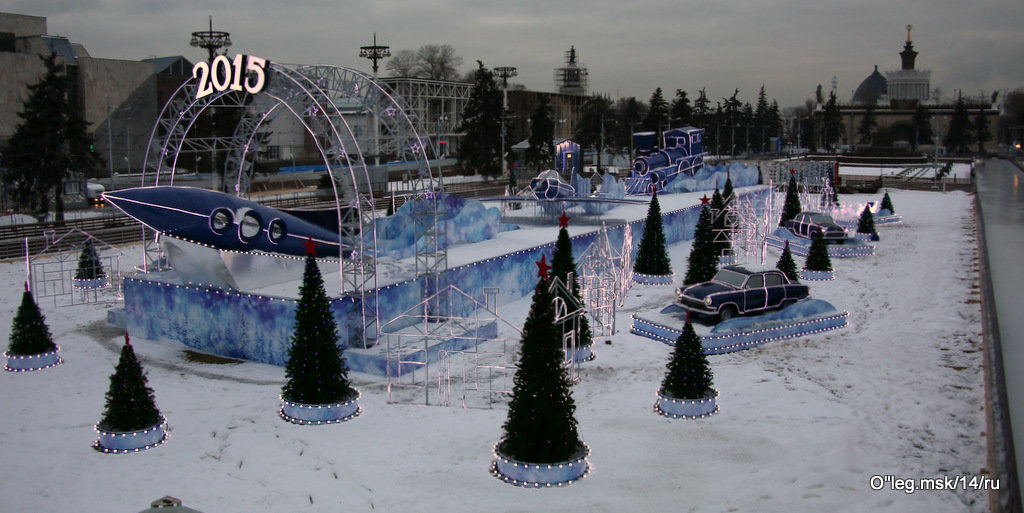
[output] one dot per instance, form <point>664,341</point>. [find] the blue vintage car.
<point>738,291</point>
<point>806,224</point>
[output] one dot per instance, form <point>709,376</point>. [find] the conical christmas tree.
<point>29,333</point>
<point>130,404</point>
<point>867,222</point>
<point>887,204</point>
<point>722,246</point>
<point>787,265</point>
<point>727,191</point>
<point>792,205</point>
<point>89,265</point>
<point>316,372</point>
<point>541,425</point>
<point>817,255</point>
<point>689,374</point>
<point>563,263</point>
<point>652,257</point>
<point>703,262</point>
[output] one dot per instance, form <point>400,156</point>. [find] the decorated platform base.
<point>33,362</point>
<point>866,237</point>
<point>91,284</point>
<point>805,317</point>
<point>809,275</point>
<point>668,406</point>
<point>584,353</point>
<point>540,475</point>
<point>799,246</point>
<point>653,279</point>
<point>315,414</point>
<point>124,442</point>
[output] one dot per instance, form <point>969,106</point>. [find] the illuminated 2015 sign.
<point>223,74</point>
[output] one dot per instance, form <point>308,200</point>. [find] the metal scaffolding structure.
<point>437,106</point>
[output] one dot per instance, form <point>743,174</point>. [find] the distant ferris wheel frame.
<point>318,97</point>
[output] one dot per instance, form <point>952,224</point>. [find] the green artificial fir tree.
<point>689,374</point>
<point>703,262</point>
<point>719,236</point>
<point>792,205</point>
<point>130,405</point>
<point>817,255</point>
<point>89,265</point>
<point>316,372</point>
<point>727,191</point>
<point>652,257</point>
<point>541,426</point>
<point>563,263</point>
<point>867,222</point>
<point>887,204</point>
<point>787,265</point>
<point>29,333</point>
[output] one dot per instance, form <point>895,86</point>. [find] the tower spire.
<point>908,54</point>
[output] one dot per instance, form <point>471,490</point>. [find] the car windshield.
<point>821,219</point>
<point>731,277</point>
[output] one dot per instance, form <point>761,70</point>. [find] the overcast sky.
<point>630,48</point>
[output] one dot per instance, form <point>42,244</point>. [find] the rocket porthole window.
<point>276,230</point>
<point>249,228</point>
<point>220,220</point>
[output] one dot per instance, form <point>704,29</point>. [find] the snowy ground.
<point>804,423</point>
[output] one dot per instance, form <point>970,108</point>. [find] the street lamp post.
<point>375,53</point>
<point>504,72</point>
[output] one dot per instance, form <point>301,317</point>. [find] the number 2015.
<point>224,74</point>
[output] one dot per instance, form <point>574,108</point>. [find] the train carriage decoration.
<point>681,152</point>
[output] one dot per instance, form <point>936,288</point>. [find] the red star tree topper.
<point>543,267</point>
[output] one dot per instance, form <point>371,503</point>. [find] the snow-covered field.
<point>959,171</point>
<point>804,424</point>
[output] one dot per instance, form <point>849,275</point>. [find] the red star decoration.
<point>26,286</point>
<point>787,244</point>
<point>563,220</point>
<point>687,317</point>
<point>542,267</point>
<point>792,171</point>
<point>310,246</point>
<point>126,342</point>
<point>705,200</point>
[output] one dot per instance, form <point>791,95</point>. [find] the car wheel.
<point>727,312</point>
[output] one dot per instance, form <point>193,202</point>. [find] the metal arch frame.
<point>312,84</point>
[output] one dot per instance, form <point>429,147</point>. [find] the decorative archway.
<point>319,98</point>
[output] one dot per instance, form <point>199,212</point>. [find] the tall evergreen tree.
<point>681,113</point>
<point>89,265</point>
<point>817,255</point>
<point>787,265</point>
<point>590,131</point>
<point>727,191</point>
<point>652,257</point>
<point>887,204</point>
<point>866,223</point>
<point>657,113</point>
<point>688,374</point>
<point>792,205</point>
<point>762,121</point>
<point>316,372</point>
<point>702,263</point>
<point>130,405</point>
<point>29,333</point>
<point>922,122</point>
<point>868,125</point>
<point>833,122</point>
<point>48,144</point>
<point>731,113</point>
<point>702,113</point>
<point>981,131</point>
<point>541,153</point>
<point>480,150</point>
<point>959,128</point>
<point>541,425</point>
<point>563,263</point>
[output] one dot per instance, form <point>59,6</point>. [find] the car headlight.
<point>707,300</point>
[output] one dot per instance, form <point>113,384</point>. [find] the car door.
<point>775,290</point>
<point>804,225</point>
<point>755,296</point>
